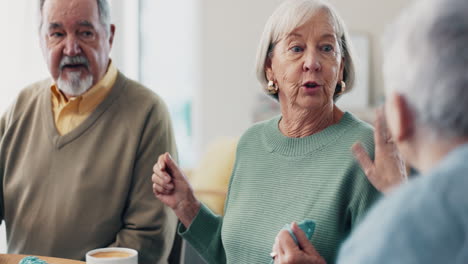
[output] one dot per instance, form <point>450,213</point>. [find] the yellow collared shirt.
<point>70,113</point>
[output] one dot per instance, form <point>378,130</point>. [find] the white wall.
<point>19,49</point>
<point>370,17</point>
<point>125,49</point>
<point>169,64</point>
<point>230,33</point>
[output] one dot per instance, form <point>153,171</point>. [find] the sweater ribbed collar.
<point>277,142</point>
<point>49,123</point>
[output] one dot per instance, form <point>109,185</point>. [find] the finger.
<point>363,158</point>
<point>158,189</point>
<point>156,177</point>
<point>380,133</point>
<point>286,242</point>
<point>160,164</point>
<point>278,248</point>
<point>302,240</point>
<point>169,186</point>
<point>161,178</point>
<point>157,166</point>
<point>275,250</point>
<point>274,245</point>
<point>172,167</point>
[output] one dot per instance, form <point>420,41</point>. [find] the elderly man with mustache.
<point>76,150</point>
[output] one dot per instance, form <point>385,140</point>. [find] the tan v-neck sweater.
<point>70,113</point>
<point>61,196</point>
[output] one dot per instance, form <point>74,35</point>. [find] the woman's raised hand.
<point>388,169</point>
<point>172,188</point>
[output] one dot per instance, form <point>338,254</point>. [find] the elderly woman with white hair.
<point>295,166</point>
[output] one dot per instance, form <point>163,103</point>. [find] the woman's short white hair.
<point>291,14</point>
<point>426,60</point>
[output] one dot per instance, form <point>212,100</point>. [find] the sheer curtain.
<point>168,62</point>
<point>22,61</point>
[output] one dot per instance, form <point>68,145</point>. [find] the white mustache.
<point>67,60</point>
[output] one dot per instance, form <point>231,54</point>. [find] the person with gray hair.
<point>296,166</point>
<point>425,220</point>
<point>103,12</point>
<point>76,149</point>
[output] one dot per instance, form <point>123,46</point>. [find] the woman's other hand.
<point>388,170</point>
<point>286,251</point>
<point>173,189</point>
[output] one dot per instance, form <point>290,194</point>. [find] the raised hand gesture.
<point>388,169</point>
<point>173,189</point>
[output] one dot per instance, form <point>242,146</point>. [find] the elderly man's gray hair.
<point>426,60</point>
<point>103,9</point>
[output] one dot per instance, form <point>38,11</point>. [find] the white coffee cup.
<point>113,255</point>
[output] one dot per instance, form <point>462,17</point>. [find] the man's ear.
<point>400,119</point>
<point>111,35</point>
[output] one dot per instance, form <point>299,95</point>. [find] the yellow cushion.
<point>210,179</point>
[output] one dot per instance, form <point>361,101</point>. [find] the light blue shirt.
<point>425,221</point>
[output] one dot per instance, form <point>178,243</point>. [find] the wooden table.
<point>15,259</point>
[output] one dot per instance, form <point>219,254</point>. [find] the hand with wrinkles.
<point>388,170</point>
<point>286,251</point>
<point>173,189</point>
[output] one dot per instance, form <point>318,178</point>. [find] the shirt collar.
<point>91,98</point>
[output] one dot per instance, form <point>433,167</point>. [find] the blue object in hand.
<point>32,260</point>
<point>308,226</point>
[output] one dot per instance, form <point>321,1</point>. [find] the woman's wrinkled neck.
<point>306,122</point>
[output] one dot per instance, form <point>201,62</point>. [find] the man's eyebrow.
<point>55,25</point>
<point>85,23</point>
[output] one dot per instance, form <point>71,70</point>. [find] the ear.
<point>341,73</point>
<point>269,69</point>
<point>400,119</point>
<point>111,35</point>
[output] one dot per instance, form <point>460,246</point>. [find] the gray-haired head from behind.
<point>291,14</point>
<point>426,60</point>
<point>103,9</point>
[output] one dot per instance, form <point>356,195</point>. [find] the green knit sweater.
<point>277,180</point>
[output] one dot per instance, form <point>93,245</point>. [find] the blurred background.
<point>199,56</point>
